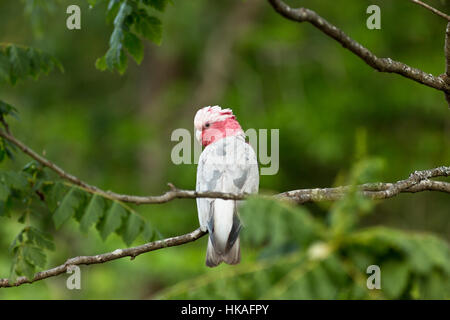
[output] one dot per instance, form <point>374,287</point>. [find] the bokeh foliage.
<point>114,132</point>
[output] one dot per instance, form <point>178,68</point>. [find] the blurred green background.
<point>114,132</point>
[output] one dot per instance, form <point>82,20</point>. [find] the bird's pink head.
<point>214,123</point>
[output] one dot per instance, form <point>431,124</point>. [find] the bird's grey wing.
<point>229,165</point>
<point>204,205</point>
<point>251,184</point>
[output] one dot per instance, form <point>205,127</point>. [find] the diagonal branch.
<point>432,9</point>
<point>105,257</point>
<point>380,64</point>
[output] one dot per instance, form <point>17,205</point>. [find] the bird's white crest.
<point>211,114</point>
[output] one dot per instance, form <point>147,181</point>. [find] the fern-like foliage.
<point>34,191</point>
<point>19,63</point>
<point>28,252</point>
<point>132,23</point>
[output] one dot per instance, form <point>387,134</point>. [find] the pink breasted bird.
<point>227,164</point>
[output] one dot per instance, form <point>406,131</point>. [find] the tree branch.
<point>434,10</point>
<point>109,256</point>
<point>380,64</point>
<point>418,181</point>
<point>446,75</point>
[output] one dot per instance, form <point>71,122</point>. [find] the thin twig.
<point>434,10</point>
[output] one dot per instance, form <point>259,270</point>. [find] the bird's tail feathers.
<point>224,227</point>
<point>233,256</point>
<point>214,257</point>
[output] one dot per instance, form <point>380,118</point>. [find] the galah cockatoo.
<point>227,164</point>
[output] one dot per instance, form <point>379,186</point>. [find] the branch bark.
<point>417,182</point>
<point>446,75</point>
<point>380,64</point>
<point>109,256</point>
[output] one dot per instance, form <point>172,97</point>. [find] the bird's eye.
<point>207,125</point>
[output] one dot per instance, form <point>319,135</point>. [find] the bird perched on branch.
<point>227,164</point>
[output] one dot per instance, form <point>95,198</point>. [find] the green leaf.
<point>20,67</point>
<point>274,224</point>
<point>24,267</point>
<point>113,8</point>
<point>40,238</point>
<point>34,256</point>
<point>132,229</point>
<point>394,278</point>
<point>4,192</point>
<point>115,57</point>
<point>148,27</point>
<point>134,46</point>
<point>7,109</point>
<point>94,211</point>
<point>100,64</point>
<point>113,220</point>
<point>16,242</point>
<point>321,284</point>
<point>6,207</point>
<point>128,17</point>
<point>28,252</point>
<point>15,180</point>
<point>68,206</point>
<point>124,11</point>
<point>19,63</point>
<point>54,195</point>
<point>157,4</point>
<point>148,233</point>
<point>435,286</point>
